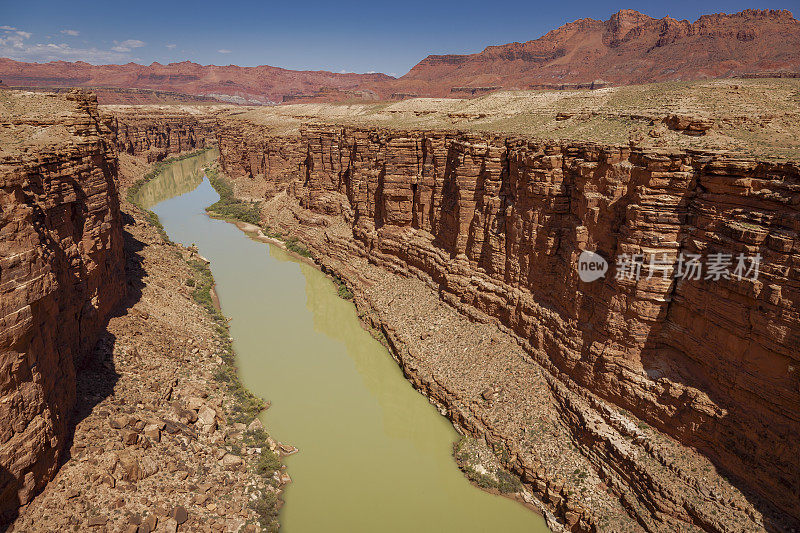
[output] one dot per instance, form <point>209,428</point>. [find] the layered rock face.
<point>246,151</point>
<point>161,134</point>
<point>497,224</point>
<point>61,274</point>
<point>629,47</point>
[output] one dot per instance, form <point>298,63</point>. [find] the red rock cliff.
<point>157,136</point>
<point>61,273</point>
<point>498,223</point>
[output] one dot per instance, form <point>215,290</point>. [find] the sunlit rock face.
<point>498,224</point>
<point>156,136</point>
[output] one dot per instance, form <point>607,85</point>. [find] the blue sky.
<point>337,35</point>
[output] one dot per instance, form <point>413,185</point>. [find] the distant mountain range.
<point>628,48</point>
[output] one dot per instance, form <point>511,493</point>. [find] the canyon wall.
<point>158,136</point>
<point>498,223</point>
<point>61,274</point>
<point>248,152</point>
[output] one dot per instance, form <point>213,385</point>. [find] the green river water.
<point>374,454</point>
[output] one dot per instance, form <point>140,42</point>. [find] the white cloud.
<point>15,44</point>
<point>73,33</point>
<point>224,51</point>
<point>7,28</point>
<point>127,46</point>
<point>15,40</point>
<point>171,46</point>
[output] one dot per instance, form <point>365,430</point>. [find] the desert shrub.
<point>268,463</point>
<point>294,245</point>
<point>266,507</point>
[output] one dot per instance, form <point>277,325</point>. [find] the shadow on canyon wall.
<point>95,374</point>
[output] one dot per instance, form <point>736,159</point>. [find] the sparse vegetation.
<point>269,232</point>
<point>266,506</point>
<point>468,458</point>
<point>268,463</point>
<point>508,482</point>
<point>342,290</point>
<point>246,406</point>
<point>294,245</point>
<point>229,207</point>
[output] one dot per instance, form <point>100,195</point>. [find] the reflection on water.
<point>176,179</point>
<point>374,454</point>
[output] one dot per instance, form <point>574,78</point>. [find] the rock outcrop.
<point>152,441</point>
<point>496,224</point>
<point>61,274</point>
<point>156,137</point>
<point>246,151</point>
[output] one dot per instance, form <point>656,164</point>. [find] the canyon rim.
<point>581,249</point>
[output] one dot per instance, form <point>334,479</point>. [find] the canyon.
<point>648,379</point>
<point>495,224</point>
<point>621,404</point>
<point>628,48</point>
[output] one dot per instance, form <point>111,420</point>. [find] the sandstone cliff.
<point>61,273</point>
<point>171,133</point>
<point>495,224</point>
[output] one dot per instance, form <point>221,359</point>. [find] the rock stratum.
<point>628,48</point>
<point>61,274</point>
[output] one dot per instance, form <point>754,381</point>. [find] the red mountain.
<point>628,48</point>
<point>261,84</point>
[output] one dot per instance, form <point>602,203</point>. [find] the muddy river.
<point>374,454</point>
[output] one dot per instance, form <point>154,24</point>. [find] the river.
<point>375,455</point>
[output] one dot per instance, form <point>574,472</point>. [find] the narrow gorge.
<point>621,404</point>
<point>673,392</point>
